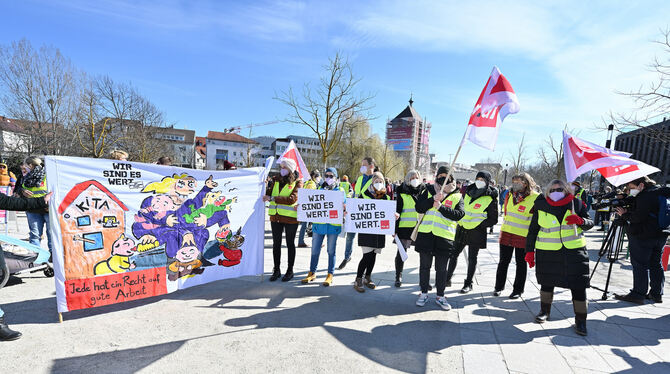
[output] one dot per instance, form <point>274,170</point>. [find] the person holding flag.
<point>282,193</point>
<point>437,230</point>
<point>481,212</point>
<point>363,183</point>
<point>556,243</point>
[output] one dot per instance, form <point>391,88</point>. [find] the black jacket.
<point>567,268</point>
<point>427,242</point>
<point>21,203</point>
<point>476,237</point>
<point>406,232</point>
<point>371,240</point>
<point>642,218</point>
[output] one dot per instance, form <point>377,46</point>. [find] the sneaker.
<point>515,295</point>
<point>630,298</point>
<point>423,298</point>
<point>467,288</point>
<point>442,302</point>
<point>497,292</point>
<point>344,263</point>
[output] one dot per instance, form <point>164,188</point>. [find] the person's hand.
<point>620,211</point>
<point>201,220</point>
<point>171,220</point>
<point>210,182</point>
<point>188,239</point>
<point>574,220</point>
<point>439,197</point>
<point>27,193</point>
<point>147,239</point>
<point>397,215</point>
<point>530,259</point>
<point>436,204</point>
<point>266,198</point>
<point>47,197</point>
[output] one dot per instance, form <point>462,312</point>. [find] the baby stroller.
<point>18,257</point>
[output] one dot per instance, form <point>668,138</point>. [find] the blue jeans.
<point>36,223</point>
<point>349,245</point>
<point>1,312</point>
<point>317,240</point>
<point>645,256</point>
<point>301,235</point>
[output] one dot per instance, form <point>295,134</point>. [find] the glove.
<point>574,220</point>
<point>530,259</point>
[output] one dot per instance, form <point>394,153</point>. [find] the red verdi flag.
<point>496,101</point>
<point>292,153</point>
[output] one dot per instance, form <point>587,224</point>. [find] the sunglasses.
<point>556,190</point>
<point>3,167</point>
<point>329,176</point>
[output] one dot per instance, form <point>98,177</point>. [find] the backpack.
<point>663,215</point>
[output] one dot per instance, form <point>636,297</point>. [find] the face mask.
<point>633,192</point>
<point>556,195</point>
<point>379,186</point>
<point>283,172</point>
<point>364,169</point>
<point>330,181</point>
<point>516,187</point>
<point>414,183</point>
<point>317,180</point>
<point>440,181</point>
<point>480,184</point>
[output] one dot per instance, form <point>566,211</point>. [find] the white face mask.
<point>379,186</point>
<point>633,192</point>
<point>330,181</point>
<point>556,195</point>
<point>480,184</point>
<point>415,183</point>
<point>364,169</point>
<point>317,180</point>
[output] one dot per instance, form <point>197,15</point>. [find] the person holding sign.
<point>322,230</point>
<point>518,210</point>
<point>371,244</point>
<point>437,230</point>
<point>481,212</point>
<point>407,193</point>
<point>18,204</point>
<point>363,183</point>
<point>556,243</point>
<point>311,184</point>
<point>282,193</point>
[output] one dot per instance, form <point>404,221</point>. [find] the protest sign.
<point>320,206</point>
<point>126,230</point>
<point>401,249</point>
<point>370,216</point>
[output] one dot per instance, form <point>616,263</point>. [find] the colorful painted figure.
<point>119,261</point>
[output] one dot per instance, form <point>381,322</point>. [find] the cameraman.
<point>646,240</point>
<point>603,213</point>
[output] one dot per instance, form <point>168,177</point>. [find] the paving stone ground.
<point>251,326</point>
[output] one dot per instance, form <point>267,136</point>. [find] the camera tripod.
<point>611,247</point>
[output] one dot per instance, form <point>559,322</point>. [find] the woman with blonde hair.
<point>35,185</point>
<point>118,154</point>
<point>556,243</point>
<point>517,210</point>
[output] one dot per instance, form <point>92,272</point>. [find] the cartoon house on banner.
<point>91,218</point>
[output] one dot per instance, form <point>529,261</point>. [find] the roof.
<point>229,137</point>
<point>189,135</point>
<point>201,149</point>
<point>12,125</point>
<point>81,187</point>
<point>409,112</point>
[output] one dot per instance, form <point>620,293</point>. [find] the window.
<point>84,221</point>
<point>221,154</point>
<point>92,241</point>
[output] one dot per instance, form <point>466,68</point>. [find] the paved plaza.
<point>247,325</point>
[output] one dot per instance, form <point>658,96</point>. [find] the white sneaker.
<point>423,298</point>
<point>441,301</point>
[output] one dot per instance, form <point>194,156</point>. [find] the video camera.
<point>610,200</point>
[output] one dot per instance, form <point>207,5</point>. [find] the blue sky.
<point>214,64</point>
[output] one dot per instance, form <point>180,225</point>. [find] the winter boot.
<point>328,281</point>
<point>310,277</point>
<point>580,308</point>
<point>367,281</point>
<point>276,274</point>
<point>6,333</point>
<point>358,285</point>
<point>398,279</point>
<point>546,298</point>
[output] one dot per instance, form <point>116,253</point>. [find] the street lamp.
<point>505,178</point>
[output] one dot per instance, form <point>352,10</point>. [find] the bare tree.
<point>551,157</point>
<point>40,90</point>
<point>330,106</point>
<point>518,158</point>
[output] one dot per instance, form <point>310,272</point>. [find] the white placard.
<point>320,206</point>
<point>370,216</point>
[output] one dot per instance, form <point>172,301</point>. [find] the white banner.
<point>126,230</point>
<point>320,206</point>
<point>370,216</point>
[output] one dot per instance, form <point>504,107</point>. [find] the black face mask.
<point>440,180</point>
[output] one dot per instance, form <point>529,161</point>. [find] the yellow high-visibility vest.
<point>282,209</point>
<point>359,188</point>
<point>437,224</point>
<point>518,217</point>
<point>554,235</point>
<point>475,211</point>
<point>40,190</point>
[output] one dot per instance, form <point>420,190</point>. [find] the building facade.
<point>200,152</point>
<point>229,147</point>
<point>265,149</point>
<point>181,144</point>
<point>650,145</point>
<point>409,136</point>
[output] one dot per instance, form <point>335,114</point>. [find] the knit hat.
<point>289,164</point>
<point>442,170</point>
<point>331,170</point>
<point>486,175</point>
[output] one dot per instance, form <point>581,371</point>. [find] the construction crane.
<point>237,129</point>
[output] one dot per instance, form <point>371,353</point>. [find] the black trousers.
<point>425,262</point>
<point>506,252</point>
<point>578,294</point>
<point>277,229</point>
<point>366,264</point>
<point>472,262</point>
